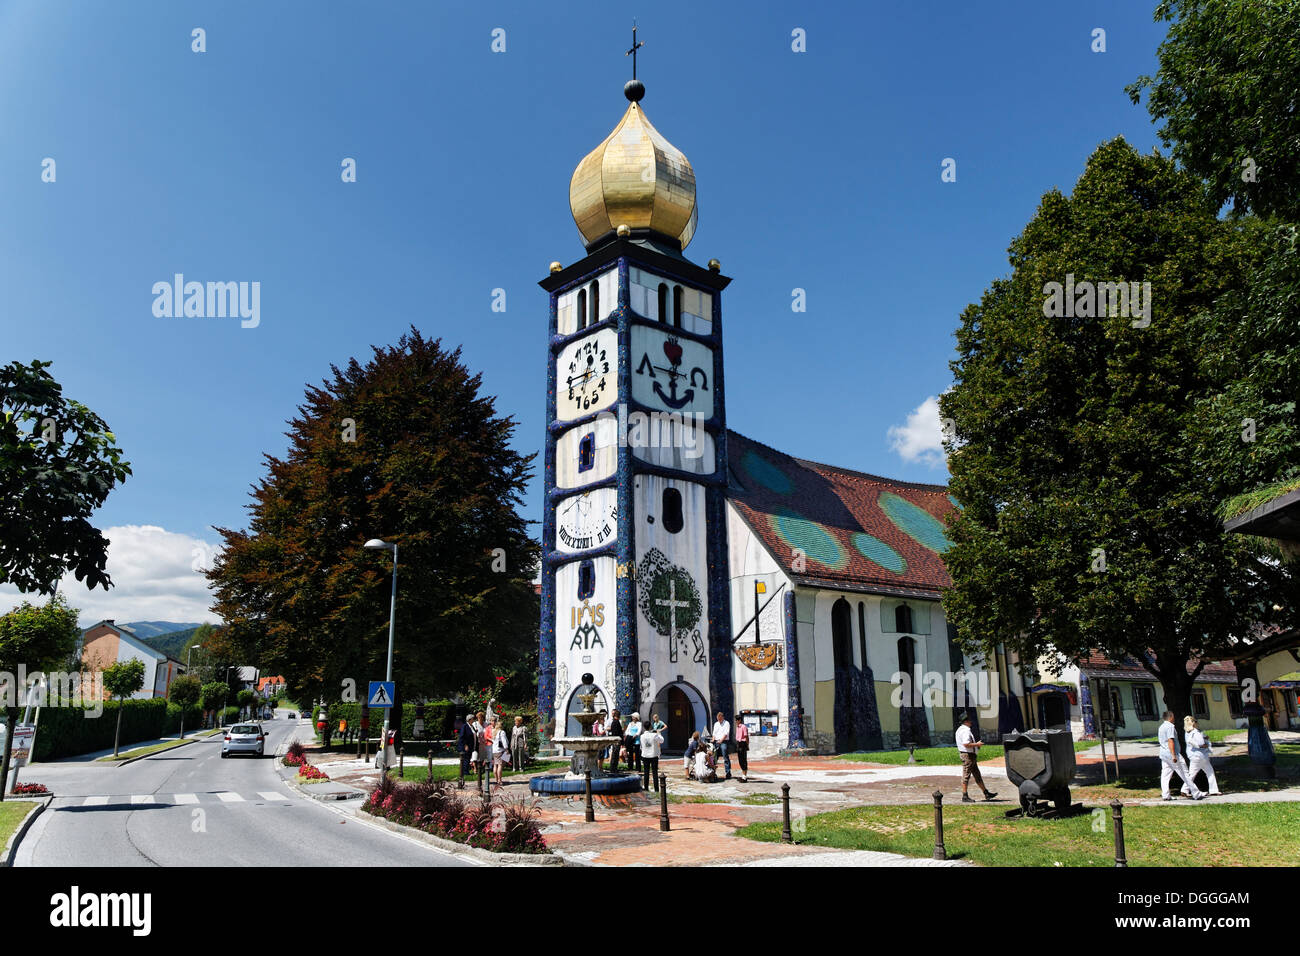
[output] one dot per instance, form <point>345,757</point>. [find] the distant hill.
<point>150,629</point>
<point>173,643</point>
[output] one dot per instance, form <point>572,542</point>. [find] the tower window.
<point>672,510</point>
<point>903,619</point>
<point>663,302</point>
<point>582,308</point>
<point>862,632</point>
<point>595,303</point>
<point>907,665</point>
<point>587,452</point>
<point>677,306</point>
<point>586,580</point>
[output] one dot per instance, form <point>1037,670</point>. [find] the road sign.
<point>381,693</point>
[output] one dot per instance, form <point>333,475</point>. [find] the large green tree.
<point>36,638</point>
<point>403,447</point>
<point>1088,520</point>
<point>58,462</point>
<point>1228,95</point>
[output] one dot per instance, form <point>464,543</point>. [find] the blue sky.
<point>817,170</point>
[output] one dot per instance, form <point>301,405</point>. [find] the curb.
<point>127,760</point>
<point>474,853</point>
<point>11,847</point>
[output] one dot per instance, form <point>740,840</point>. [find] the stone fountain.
<point>585,750</point>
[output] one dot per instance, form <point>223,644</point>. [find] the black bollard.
<point>786,835</point>
<point>591,811</point>
<point>401,762</point>
<point>1117,812</point>
<point>940,852</point>
<point>663,803</point>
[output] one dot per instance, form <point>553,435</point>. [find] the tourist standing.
<point>500,748</point>
<point>519,744</point>
<point>1198,755</point>
<point>657,725</point>
<point>483,745</point>
<point>615,731</point>
<point>742,748</point>
<point>598,730</point>
<point>722,740</point>
<point>466,746</point>
<point>632,737</point>
<point>692,746</point>
<point>968,749</point>
<point>1171,761</point>
<point>649,744</point>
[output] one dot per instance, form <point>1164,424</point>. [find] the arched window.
<point>663,302</point>
<point>672,510</point>
<point>862,632</point>
<point>587,452</point>
<point>586,580</point>
<point>582,308</point>
<point>907,665</point>
<point>677,306</point>
<point>842,633</point>
<point>903,619</point>
<point>595,303</point>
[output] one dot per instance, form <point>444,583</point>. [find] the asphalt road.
<point>189,807</point>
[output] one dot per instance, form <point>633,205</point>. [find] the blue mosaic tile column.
<point>794,714</point>
<point>626,689</point>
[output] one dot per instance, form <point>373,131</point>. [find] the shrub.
<point>71,731</point>
<point>501,825</point>
<point>31,789</point>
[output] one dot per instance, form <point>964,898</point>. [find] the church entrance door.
<point>679,719</point>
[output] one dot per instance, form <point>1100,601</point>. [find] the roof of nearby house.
<point>263,681</point>
<point>1097,664</point>
<point>857,532</point>
<point>128,634</point>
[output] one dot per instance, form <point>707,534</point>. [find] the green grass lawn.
<point>142,751</point>
<point>1199,835</point>
<point>416,771</point>
<point>12,813</point>
<point>1235,775</point>
<point>937,756</point>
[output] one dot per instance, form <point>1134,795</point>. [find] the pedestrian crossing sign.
<point>381,693</point>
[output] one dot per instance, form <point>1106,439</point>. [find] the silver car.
<point>244,739</point>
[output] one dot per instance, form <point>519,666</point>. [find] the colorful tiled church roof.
<point>857,532</point>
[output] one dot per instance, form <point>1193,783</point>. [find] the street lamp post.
<point>378,544</point>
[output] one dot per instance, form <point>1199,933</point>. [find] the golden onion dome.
<point>635,178</point>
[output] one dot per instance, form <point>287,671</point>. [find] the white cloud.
<point>920,438</point>
<point>157,576</point>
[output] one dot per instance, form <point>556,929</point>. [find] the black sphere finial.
<point>634,90</point>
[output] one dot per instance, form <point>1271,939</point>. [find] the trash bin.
<point>1040,763</point>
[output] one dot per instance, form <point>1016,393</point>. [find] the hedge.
<point>439,719</point>
<point>71,731</point>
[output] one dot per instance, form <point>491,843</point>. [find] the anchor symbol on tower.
<point>673,351</point>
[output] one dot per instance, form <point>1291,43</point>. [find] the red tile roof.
<point>856,531</point>
<point>1097,664</point>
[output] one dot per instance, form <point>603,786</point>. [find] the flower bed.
<point>309,774</point>
<point>503,826</point>
<point>31,790</point>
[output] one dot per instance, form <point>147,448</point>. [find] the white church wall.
<point>643,296</point>
<point>567,306</point>
<point>604,432</point>
<point>671,583</point>
<point>672,441</point>
<point>585,629</point>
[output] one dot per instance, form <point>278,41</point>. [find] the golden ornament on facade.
<point>556,267</point>
<point>757,657</point>
<point>634,178</point>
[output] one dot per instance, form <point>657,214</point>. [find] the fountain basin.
<point>584,751</point>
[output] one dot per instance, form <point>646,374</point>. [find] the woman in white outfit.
<point>1198,753</point>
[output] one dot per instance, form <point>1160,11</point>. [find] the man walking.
<point>968,748</point>
<point>1171,761</point>
<point>650,744</point>
<point>465,743</point>
<point>722,740</point>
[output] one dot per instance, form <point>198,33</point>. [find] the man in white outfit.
<point>1171,761</point>
<point>1198,754</point>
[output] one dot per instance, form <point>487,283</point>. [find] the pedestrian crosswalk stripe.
<point>177,799</point>
<point>186,798</point>
<point>139,797</point>
<point>269,795</point>
<point>95,802</point>
<point>226,797</point>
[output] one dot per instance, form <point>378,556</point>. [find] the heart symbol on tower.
<point>673,351</point>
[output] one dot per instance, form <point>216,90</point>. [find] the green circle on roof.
<point>873,549</point>
<point>766,474</point>
<point>809,537</point>
<point>915,522</point>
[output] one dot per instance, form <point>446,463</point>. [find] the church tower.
<point>634,537</point>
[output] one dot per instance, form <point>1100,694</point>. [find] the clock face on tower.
<point>586,378</point>
<point>587,521</point>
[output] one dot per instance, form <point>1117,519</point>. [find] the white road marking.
<point>185,797</point>
<point>227,797</point>
<point>140,797</point>
<point>269,795</point>
<point>95,802</point>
